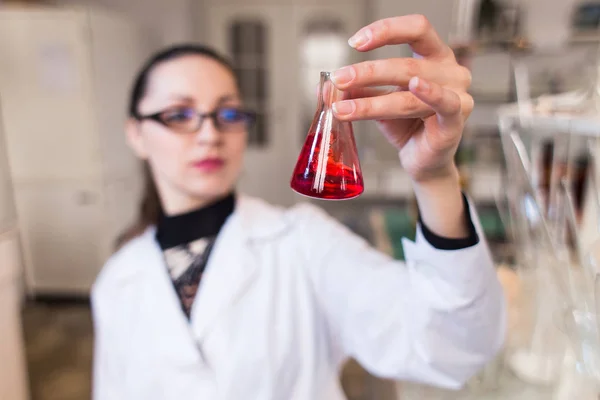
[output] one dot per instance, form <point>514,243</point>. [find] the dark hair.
<point>150,206</point>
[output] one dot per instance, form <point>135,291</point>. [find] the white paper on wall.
<point>57,71</point>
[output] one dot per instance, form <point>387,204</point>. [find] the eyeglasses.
<point>188,120</point>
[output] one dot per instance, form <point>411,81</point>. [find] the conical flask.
<point>328,167</point>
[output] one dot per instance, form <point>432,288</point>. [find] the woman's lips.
<point>208,164</point>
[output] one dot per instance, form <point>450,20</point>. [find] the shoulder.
<point>306,215</point>
<point>123,266</point>
<point>305,224</point>
<point>259,213</point>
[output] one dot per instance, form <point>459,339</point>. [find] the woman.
<point>216,295</point>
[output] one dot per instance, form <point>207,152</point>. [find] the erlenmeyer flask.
<point>328,166</point>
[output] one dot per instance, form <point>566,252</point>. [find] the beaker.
<point>328,166</point>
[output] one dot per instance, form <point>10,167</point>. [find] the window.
<point>247,44</point>
<point>323,48</point>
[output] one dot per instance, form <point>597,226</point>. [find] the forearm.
<point>441,204</point>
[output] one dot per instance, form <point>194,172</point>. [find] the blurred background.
<point>69,185</point>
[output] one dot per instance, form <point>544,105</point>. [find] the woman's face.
<point>191,166</point>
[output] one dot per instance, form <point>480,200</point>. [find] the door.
<point>45,81</point>
<point>260,43</point>
<point>321,33</point>
<point>62,235</point>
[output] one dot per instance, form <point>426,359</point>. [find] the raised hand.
<point>423,115</point>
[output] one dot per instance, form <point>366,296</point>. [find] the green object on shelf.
<point>399,224</point>
<point>491,223</point>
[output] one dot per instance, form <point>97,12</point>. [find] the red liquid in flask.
<point>332,180</point>
<point>328,167</point>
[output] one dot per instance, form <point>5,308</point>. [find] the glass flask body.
<point>328,166</point>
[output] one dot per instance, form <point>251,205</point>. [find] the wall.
<point>438,12</point>
<point>180,20</point>
<point>547,23</point>
<point>165,21</point>
<point>7,210</point>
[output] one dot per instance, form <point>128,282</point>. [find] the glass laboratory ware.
<point>328,166</point>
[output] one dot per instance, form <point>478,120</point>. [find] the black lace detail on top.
<point>187,241</point>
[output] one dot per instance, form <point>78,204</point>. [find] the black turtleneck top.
<point>187,239</point>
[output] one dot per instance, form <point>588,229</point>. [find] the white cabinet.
<point>121,199</point>
<point>45,83</point>
<point>63,232</point>
<point>64,82</point>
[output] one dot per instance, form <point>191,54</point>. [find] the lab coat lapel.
<point>229,270</point>
<point>160,301</point>
<point>232,264</point>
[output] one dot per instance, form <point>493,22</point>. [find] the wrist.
<point>440,202</point>
<point>445,176</point>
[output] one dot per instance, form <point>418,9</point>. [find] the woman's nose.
<point>208,134</point>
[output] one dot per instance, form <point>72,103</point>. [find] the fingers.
<point>424,99</point>
<point>398,72</point>
<point>355,93</point>
<point>414,30</point>
<point>362,92</point>
<point>393,105</point>
<point>450,107</point>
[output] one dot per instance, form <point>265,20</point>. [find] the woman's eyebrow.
<point>188,99</point>
<point>181,97</point>
<point>227,98</point>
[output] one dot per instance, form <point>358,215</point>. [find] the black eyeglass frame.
<point>250,116</point>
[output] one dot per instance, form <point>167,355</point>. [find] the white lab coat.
<point>286,297</point>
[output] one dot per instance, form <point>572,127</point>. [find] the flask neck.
<point>328,93</point>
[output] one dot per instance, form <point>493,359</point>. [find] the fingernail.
<point>360,38</point>
<point>343,75</point>
<point>343,107</point>
<point>418,84</point>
